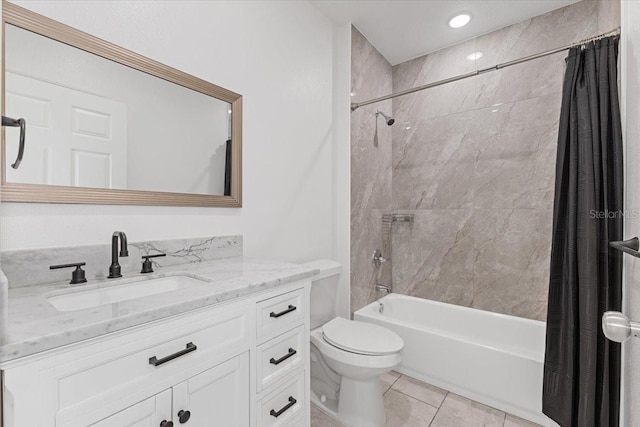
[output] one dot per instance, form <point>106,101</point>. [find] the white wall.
<point>630,87</point>
<point>279,56</point>
<point>342,161</point>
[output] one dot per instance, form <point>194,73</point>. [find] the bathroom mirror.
<point>108,126</point>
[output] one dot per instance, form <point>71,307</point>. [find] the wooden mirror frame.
<point>36,193</point>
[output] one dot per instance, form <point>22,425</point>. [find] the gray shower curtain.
<point>581,367</point>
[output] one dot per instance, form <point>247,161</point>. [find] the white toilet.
<point>347,356</point>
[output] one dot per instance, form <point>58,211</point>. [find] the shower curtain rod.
<point>356,105</point>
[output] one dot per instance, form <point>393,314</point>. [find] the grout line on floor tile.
<point>395,381</point>
<point>391,386</point>
<point>434,417</point>
<point>413,397</point>
<point>440,407</point>
<point>446,392</point>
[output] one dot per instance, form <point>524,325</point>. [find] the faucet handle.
<point>77,276</point>
<point>377,259</point>
<point>147,266</point>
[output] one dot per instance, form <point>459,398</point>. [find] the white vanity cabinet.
<point>154,411</point>
<point>217,396</point>
<point>238,363</point>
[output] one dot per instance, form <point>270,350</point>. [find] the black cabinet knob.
<point>183,416</point>
<point>166,423</point>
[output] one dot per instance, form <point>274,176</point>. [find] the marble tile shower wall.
<point>475,162</point>
<point>370,169</point>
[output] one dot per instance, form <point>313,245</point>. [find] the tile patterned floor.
<point>412,403</point>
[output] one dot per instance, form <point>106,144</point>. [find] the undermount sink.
<point>110,294</point>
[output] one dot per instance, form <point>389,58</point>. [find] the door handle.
<point>630,246</point>
<point>617,327</point>
<point>22,124</point>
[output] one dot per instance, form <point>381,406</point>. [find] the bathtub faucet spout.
<point>385,288</point>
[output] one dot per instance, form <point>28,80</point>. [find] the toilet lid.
<point>361,337</point>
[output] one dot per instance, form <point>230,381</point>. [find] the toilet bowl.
<point>359,353</point>
<point>347,356</point>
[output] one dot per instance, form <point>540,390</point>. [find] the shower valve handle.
<point>377,259</point>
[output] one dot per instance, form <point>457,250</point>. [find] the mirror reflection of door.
<point>93,122</point>
<point>74,138</point>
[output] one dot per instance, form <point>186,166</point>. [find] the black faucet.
<point>114,268</point>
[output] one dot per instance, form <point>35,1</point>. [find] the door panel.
<point>217,397</point>
<point>148,413</point>
<point>33,103</point>
<point>83,135</point>
<point>90,169</point>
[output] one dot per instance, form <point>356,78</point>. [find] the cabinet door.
<point>217,397</point>
<point>148,413</point>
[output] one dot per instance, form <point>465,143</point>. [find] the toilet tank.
<point>324,291</point>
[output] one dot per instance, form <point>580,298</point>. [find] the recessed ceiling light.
<point>460,20</point>
<point>475,55</point>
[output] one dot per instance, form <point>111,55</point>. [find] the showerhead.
<point>389,120</point>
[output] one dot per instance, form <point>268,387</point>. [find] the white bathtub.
<point>491,358</point>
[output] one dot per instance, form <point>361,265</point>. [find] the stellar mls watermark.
<point>607,214</point>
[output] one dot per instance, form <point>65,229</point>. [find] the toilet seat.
<point>361,337</point>
<point>363,361</point>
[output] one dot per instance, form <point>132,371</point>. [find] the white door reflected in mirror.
<point>75,138</point>
<point>95,123</point>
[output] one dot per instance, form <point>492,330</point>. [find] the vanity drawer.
<point>108,379</point>
<point>285,405</point>
<point>278,314</point>
<point>280,356</point>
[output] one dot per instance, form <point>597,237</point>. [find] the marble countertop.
<point>33,325</point>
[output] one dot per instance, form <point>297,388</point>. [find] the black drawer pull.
<point>157,362</point>
<point>292,402</point>
<point>282,313</point>
<point>283,358</point>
